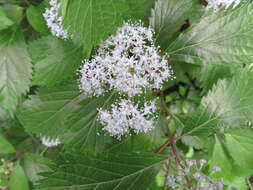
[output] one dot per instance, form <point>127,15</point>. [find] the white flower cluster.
<point>54,20</point>
<point>127,62</point>
<point>217,4</point>
<point>191,170</point>
<point>125,117</point>
<point>49,142</point>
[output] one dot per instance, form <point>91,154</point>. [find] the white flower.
<point>202,162</point>
<point>54,20</point>
<point>125,117</point>
<point>216,169</point>
<point>49,142</point>
<point>127,62</point>
<point>217,4</point>
<point>171,181</point>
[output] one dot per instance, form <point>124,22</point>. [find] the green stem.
<point>249,184</point>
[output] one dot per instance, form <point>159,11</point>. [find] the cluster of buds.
<point>189,175</point>
<point>129,63</point>
<point>54,20</point>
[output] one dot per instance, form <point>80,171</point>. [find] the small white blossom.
<point>217,4</point>
<point>171,181</point>
<point>187,170</point>
<point>125,117</point>
<point>191,163</point>
<point>202,162</point>
<point>127,62</point>
<point>216,169</point>
<point>49,142</point>
<point>54,20</point>
<point>198,176</point>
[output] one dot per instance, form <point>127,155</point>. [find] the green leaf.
<point>91,21</point>
<point>104,172</point>
<point>84,130</point>
<point>239,183</point>
<point>36,19</point>
<point>211,74</point>
<point>34,164</point>
<point>228,105</point>
<point>196,128</point>
<point>231,100</point>
<point>55,60</point>
<point>18,179</point>
<point>169,16</point>
<point>15,68</point>
<point>220,158</point>
<point>5,146</point>
<point>141,9</point>
<point>67,113</point>
<point>45,113</point>
<point>14,12</point>
<point>223,37</point>
<point>5,22</point>
<point>240,146</point>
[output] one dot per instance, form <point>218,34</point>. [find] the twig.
<point>34,139</point>
<point>249,184</point>
<point>167,172</point>
<point>163,104</point>
<point>166,144</point>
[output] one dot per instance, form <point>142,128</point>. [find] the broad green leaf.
<point>211,74</point>
<point>46,112</point>
<point>15,68</point>
<point>36,19</point>
<point>228,105</point>
<point>91,21</point>
<point>55,60</point>
<point>5,22</point>
<point>103,172</point>
<point>18,179</point>
<point>220,158</point>
<point>223,37</point>
<point>14,12</point>
<point>231,100</point>
<point>169,16</point>
<point>240,146</point>
<point>67,113</point>
<point>238,183</point>
<point>5,146</point>
<point>4,115</point>
<point>141,9</point>
<point>196,128</point>
<point>84,130</point>
<point>34,164</point>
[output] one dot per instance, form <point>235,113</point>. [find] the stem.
<point>163,104</point>
<point>177,159</point>
<point>34,139</point>
<point>161,148</point>
<point>249,184</point>
<point>167,172</point>
<point>17,156</point>
<point>171,142</point>
<point>43,152</point>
